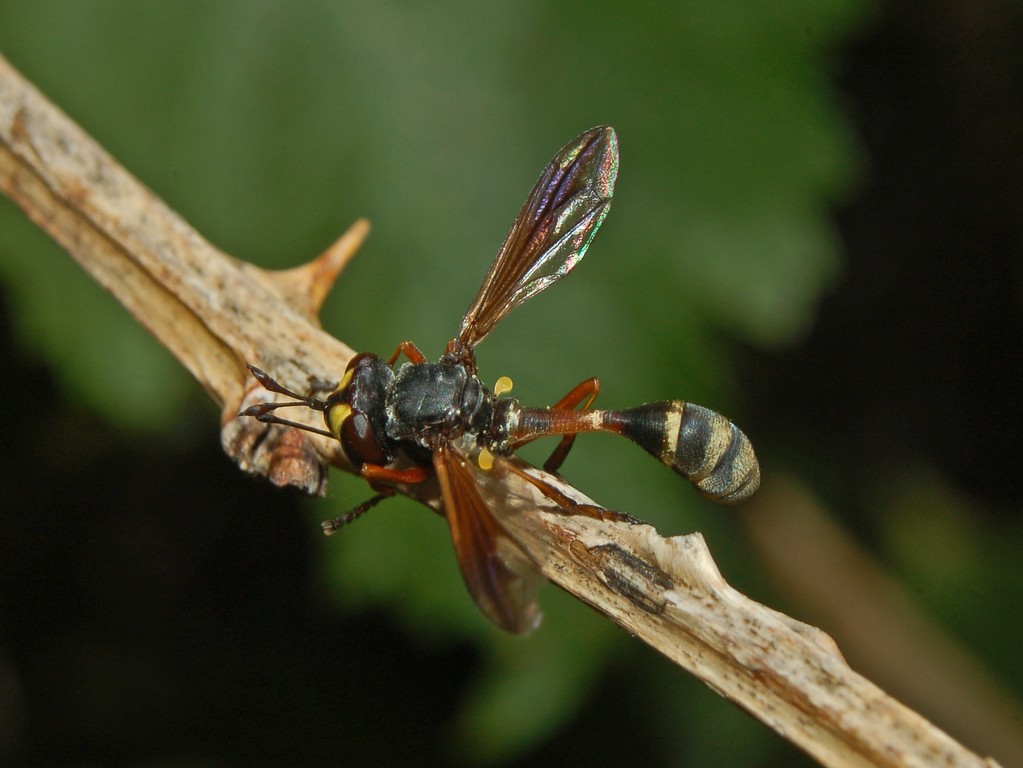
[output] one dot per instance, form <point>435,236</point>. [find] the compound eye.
<point>356,361</point>
<point>343,386</point>
<point>359,440</point>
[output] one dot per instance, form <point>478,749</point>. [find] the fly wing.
<point>551,233</point>
<point>499,576</point>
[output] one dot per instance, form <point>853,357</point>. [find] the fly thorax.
<point>436,399</point>
<point>477,408</point>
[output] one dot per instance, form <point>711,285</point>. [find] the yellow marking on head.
<point>503,384</point>
<point>345,380</point>
<point>485,460</point>
<point>336,417</point>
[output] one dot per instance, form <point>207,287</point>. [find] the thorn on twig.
<point>306,287</point>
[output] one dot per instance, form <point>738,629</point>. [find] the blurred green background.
<point>816,230</point>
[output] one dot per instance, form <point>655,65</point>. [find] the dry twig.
<point>216,313</point>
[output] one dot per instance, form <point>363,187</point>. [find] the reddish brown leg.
<point>376,475</point>
<point>570,506</point>
<point>585,390</point>
<point>411,352</point>
<point>585,393</point>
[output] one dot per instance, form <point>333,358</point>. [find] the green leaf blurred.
<point>270,126</point>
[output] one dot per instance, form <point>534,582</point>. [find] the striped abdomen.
<point>698,443</point>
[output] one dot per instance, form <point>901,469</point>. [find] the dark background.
<point>816,230</point>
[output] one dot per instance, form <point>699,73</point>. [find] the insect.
<point>437,419</point>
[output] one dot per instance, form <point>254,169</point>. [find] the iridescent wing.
<point>550,235</point>
<point>500,577</point>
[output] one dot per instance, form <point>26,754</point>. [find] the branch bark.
<point>216,313</point>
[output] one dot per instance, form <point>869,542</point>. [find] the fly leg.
<point>411,351</point>
<point>568,505</point>
<point>331,526</point>
<point>376,476</point>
